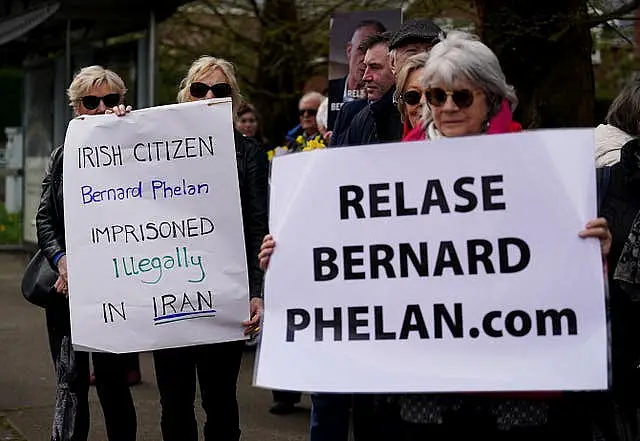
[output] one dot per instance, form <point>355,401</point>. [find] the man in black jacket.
<point>380,120</point>
<point>348,88</point>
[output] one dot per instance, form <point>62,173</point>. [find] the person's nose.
<point>366,76</point>
<point>449,105</point>
<point>210,94</point>
<point>101,107</point>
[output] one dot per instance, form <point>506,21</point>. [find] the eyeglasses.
<point>310,112</point>
<point>219,90</point>
<point>462,98</point>
<point>411,97</point>
<point>91,102</point>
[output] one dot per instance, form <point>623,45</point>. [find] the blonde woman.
<point>408,92</point>
<point>216,365</point>
<point>93,91</point>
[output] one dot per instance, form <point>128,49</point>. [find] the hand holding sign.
<point>458,256</point>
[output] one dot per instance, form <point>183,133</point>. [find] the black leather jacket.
<point>252,174</point>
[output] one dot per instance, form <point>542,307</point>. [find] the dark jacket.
<point>252,176</point>
<point>335,95</point>
<point>379,122</point>
<point>346,114</point>
<point>620,207</point>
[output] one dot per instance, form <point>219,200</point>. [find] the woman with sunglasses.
<point>408,92</point>
<point>467,94</point>
<point>93,91</point>
<point>216,365</point>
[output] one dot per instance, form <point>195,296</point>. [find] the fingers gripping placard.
<point>154,232</point>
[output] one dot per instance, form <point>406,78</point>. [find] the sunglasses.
<point>219,90</point>
<point>310,112</point>
<point>91,102</point>
<point>462,98</point>
<point>411,97</point>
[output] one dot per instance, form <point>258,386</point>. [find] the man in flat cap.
<point>413,37</point>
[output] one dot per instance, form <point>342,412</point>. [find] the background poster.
<point>347,31</point>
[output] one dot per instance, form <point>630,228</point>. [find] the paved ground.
<point>27,388</point>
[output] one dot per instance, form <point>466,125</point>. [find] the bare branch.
<point>597,19</point>
<point>256,10</point>
<point>246,41</point>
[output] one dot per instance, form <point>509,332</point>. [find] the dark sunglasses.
<point>219,90</point>
<point>310,112</point>
<point>411,97</point>
<point>462,98</point>
<point>91,102</point>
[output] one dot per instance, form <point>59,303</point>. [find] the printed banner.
<point>153,223</point>
<point>442,266</point>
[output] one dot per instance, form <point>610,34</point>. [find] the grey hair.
<point>315,96</point>
<point>460,55</point>
<point>323,110</point>
<point>624,112</point>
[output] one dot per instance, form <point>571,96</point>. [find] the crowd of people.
<point>418,83</point>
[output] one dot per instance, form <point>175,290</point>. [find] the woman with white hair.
<point>466,93</point>
<point>93,91</point>
<point>217,365</point>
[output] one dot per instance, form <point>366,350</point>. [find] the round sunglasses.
<point>219,90</point>
<point>91,102</point>
<point>462,98</point>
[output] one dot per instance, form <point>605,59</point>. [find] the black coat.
<point>379,122</point>
<point>252,175</point>
<point>335,95</point>
<point>347,112</point>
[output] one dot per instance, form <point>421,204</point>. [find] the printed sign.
<point>155,245</point>
<point>442,266</point>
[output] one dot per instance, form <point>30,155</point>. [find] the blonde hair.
<point>202,67</point>
<point>414,63</point>
<point>90,77</point>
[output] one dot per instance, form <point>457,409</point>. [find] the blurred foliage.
<point>10,226</point>
<point>278,45</point>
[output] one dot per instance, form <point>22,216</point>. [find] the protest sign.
<point>346,69</point>
<point>154,236</point>
<point>444,266</point>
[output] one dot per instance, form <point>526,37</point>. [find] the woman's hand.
<point>61,287</point>
<point>62,284</point>
<point>120,110</point>
<point>599,228</point>
<point>256,309</point>
<point>266,250</point>
<point>62,269</point>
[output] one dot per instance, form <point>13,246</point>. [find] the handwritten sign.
<point>153,225</point>
<point>443,266</point>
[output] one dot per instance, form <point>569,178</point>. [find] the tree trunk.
<point>280,72</point>
<point>545,51</point>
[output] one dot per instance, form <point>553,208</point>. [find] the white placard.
<point>153,223</point>
<point>443,266</point>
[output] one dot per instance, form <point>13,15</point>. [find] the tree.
<point>545,51</point>
<point>276,45</point>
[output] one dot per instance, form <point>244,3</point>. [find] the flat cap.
<point>415,31</point>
